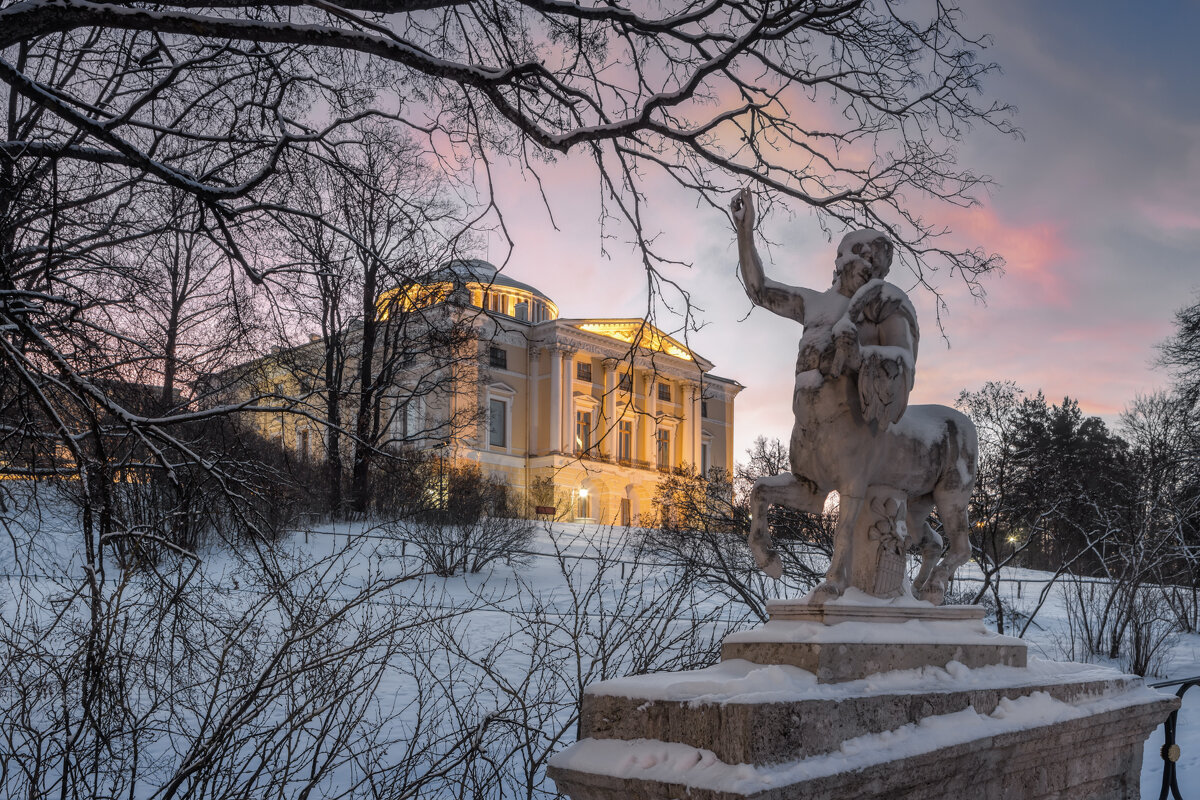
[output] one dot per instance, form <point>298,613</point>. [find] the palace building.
<point>597,406</point>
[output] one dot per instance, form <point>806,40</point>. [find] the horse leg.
<point>784,489</point>
<point>926,539</point>
<point>838,577</point>
<point>952,508</point>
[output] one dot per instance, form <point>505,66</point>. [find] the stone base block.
<point>738,730</point>
<point>834,612</point>
<point>852,650</point>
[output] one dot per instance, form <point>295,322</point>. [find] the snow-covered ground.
<point>50,548</point>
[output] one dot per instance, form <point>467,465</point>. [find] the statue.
<point>855,433</point>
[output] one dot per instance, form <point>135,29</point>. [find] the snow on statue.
<point>855,433</point>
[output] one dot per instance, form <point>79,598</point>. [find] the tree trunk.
<point>360,480</point>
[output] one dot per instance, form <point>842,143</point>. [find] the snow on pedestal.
<point>859,635</point>
<point>773,731</point>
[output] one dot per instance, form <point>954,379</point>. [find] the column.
<point>652,421</point>
<point>568,403</point>
<point>609,430</point>
<point>697,427</point>
<point>687,429</point>
<point>531,415</point>
<point>556,358</point>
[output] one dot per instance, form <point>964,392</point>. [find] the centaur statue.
<point>855,433</point>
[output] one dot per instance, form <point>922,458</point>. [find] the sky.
<point>1096,211</point>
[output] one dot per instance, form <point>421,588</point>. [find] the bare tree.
<point>1180,354</point>
<point>221,104</point>
<point>712,95</point>
<point>367,268</point>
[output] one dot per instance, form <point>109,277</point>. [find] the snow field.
<point>519,630</point>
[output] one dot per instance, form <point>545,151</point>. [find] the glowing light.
<point>639,333</point>
<point>583,492</point>
<point>412,296</point>
<point>1012,540</point>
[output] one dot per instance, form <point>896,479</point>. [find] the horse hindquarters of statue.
<point>878,526</point>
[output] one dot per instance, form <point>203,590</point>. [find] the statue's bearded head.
<point>862,256</point>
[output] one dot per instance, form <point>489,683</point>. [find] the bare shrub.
<point>700,531</point>
<point>264,684</point>
<point>613,612</point>
<point>468,547</point>
<point>466,524</point>
<point>1149,633</point>
<point>1184,606</point>
<point>1089,617</point>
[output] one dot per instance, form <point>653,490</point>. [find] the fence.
<point>1170,750</point>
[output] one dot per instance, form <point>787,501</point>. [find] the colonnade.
<point>607,411</point>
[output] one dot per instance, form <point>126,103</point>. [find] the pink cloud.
<point>1035,255</point>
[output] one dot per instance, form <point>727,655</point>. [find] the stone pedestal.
<point>865,710</point>
<point>843,640</point>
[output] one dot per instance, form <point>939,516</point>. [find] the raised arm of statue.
<point>786,301</point>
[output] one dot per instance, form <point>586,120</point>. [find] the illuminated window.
<point>626,512</point>
<point>494,301</point>
<point>663,440</point>
<point>583,504</point>
<point>583,431</point>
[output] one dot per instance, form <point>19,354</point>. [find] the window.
<point>498,423</point>
<point>704,464</point>
<point>664,392</point>
<point>663,440</point>
<point>626,512</point>
<point>302,444</point>
<point>583,370</point>
<point>624,440</point>
<point>583,504</point>
<point>583,431</point>
<point>494,301</point>
<point>406,419</point>
<point>626,384</point>
<point>704,409</point>
<point>414,422</point>
<point>399,417</point>
<point>498,357</point>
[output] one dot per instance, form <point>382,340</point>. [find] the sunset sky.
<point>1097,212</point>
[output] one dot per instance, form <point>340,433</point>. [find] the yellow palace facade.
<point>599,406</point>
<point>596,407</point>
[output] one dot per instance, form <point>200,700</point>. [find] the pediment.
<point>639,332</point>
